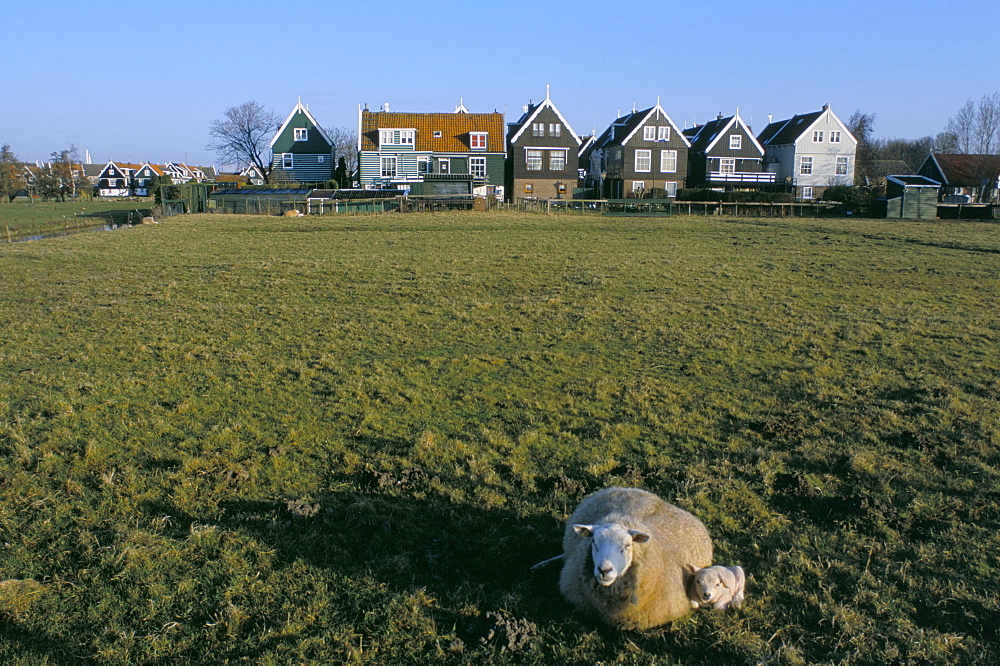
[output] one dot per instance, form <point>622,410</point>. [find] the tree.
<point>975,127</point>
<point>341,174</point>
<point>244,135</point>
<point>11,174</point>
<point>345,146</point>
<point>65,168</point>
<point>862,126</point>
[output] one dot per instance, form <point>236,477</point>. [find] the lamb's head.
<point>611,548</point>
<point>710,584</point>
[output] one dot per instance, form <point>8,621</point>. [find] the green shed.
<point>911,197</point>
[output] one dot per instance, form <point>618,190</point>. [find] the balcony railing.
<point>742,177</point>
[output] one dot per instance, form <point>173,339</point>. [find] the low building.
<point>911,197</point>
<point>964,178</point>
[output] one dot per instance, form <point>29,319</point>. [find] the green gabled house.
<point>301,151</point>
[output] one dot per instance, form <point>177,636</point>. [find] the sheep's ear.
<point>584,530</point>
<point>692,569</point>
<point>638,537</point>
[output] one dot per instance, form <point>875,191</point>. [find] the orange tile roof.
<point>454,129</point>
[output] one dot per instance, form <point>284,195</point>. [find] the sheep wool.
<point>652,589</point>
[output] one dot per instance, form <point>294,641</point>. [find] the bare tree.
<point>862,126</point>
<point>244,135</point>
<point>345,145</point>
<point>976,126</point>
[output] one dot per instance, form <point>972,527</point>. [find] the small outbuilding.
<point>911,197</point>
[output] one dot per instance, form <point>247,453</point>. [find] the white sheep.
<point>717,587</point>
<point>625,551</point>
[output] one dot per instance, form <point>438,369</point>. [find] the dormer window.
<point>301,134</point>
<point>396,137</point>
<point>477,140</point>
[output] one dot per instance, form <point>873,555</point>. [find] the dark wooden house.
<point>964,178</point>
<point>725,154</point>
<point>542,154</point>
<point>642,153</point>
<point>301,151</point>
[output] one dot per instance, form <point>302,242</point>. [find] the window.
<point>320,158</point>
<point>477,167</point>
<point>529,188</point>
<point>396,137</point>
<point>643,158</point>
<point>807,193</point>
<point>555,129</point>
<point>437,134</point>
<point>537,129</point>
<point>557,160</point>
<point>671,188</point>
<point>842,164</point>
<point>534,160</point>
<point>727,165</point>
<point>477,140</point>
<point>638,185</point>
<point>735,141</point>
<point>388,167</point>
<point>668,161</point>
<point>818,136</point>
<point>444,165</point>
<point>663,133</point>
<point>286,161</point>
<point>423,165</point>
<point>301,134</point>
<point>649,133</point>
<point>806,166</point>
<point>561,188</point>
<point>834,137</point>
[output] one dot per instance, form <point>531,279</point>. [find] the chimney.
<point>385,107</point>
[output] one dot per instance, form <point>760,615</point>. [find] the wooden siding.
<point>305,168</point>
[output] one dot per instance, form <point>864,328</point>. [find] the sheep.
<point>625,551</point>
<point>292,213</point>
<point>716,587</point>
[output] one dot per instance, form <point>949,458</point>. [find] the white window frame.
<point>638,185</point>
<point>817,136</point>
<point>301,133</point>
<point>389,167</point>
<point>805,165</point>
<point>287,161</point>
<point>533,159</point>
<point>807,192</point>
<point>390,136</point>
<point>477,167</point>
<point>424,165</point>
<point>477,140</point>
<point>843,165</point>
<point>537,129</point>
<point>727,165</point>
<point>643,160</point>
<point>735,141</point>
<point>555,129</point>
<point>444,165</point>
<point>663,133</point>
<point>649,133</point>
<point>835,136</point>
<point>668,161</point>
<point>557,160</point>
<point>670,187</point>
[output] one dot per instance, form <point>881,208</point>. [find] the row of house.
<point>642,152</point>
<point>119,179</point>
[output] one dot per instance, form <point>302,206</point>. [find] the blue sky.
<point>142,81</point>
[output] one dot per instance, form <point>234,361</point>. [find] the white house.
<point>810,152</point>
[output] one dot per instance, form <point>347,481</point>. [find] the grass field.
<point>347,439</point>
<point>23,218</point>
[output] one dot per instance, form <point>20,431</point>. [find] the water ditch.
<point>106,221</point>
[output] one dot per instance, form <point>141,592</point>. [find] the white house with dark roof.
<point>810,152</point>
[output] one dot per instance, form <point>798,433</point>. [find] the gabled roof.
<point>623,128</point>
<point>587,144</point>
<point>299,108</point>
<point>965,170</point>
<point>454,129</point>
<point>788,131</point>
<point>705,137</point>
<point>532,112</point>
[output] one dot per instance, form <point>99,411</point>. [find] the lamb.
<point>717,587</point>
<point>625,552</point>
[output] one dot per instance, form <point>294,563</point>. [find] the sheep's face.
<point>611,548</point>
<point>710,585</point>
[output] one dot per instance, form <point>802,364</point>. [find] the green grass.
<point>23,218</point>
<point>346,439</point>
